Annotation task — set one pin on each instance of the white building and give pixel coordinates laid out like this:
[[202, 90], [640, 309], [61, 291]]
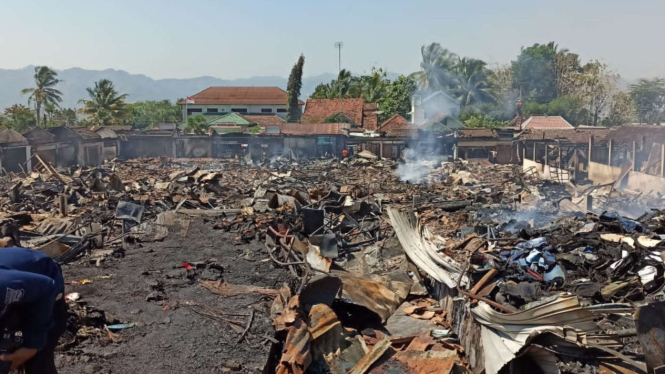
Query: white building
[[248, 100], [424, 108]]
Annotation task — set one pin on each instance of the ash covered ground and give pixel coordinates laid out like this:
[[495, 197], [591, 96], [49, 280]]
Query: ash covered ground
[[168, 335]]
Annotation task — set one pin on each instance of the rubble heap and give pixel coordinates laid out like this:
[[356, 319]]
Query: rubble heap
[[474, 267]]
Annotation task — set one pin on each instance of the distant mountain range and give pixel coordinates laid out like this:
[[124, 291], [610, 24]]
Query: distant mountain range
[[138, 86]]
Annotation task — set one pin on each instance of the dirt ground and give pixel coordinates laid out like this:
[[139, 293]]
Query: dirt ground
[[168, 336]]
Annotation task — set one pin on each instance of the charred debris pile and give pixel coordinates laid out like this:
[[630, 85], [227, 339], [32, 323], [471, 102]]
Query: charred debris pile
[[475, 267]]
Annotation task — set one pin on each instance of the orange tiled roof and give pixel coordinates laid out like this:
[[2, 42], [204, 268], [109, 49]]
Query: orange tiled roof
[[317, 110], [241, 95], [395, 122], [263, 120], [546, 122]]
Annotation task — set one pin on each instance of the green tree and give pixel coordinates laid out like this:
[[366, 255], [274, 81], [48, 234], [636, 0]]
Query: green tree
[[18, 117], [148, 114], [595, 85], [337, 88], [534, 73], [397, 98], [436, 69], [293, 89], [566, 66], [479, 120], [105, 106], [62, 117], [196, 124], [324, 91], [649, 98], [44, 92], [500, 80], [570, 108], [49, 110], [370, 88], [337, 118], [473, 83], [621, 110]]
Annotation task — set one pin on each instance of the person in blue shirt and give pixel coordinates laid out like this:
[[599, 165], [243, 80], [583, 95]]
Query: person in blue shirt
[[32, 296]]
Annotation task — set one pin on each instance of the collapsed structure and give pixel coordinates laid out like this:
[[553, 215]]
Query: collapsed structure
[[476, 267]]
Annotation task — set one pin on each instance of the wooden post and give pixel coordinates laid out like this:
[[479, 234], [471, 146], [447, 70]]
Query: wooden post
[[546, 152], [535, 147], [610, 146], [634, 155], [590, 148], [63, 204], [662, 160], [589, 203]]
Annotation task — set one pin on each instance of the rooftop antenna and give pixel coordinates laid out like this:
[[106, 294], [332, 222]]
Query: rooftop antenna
[[339, 45]]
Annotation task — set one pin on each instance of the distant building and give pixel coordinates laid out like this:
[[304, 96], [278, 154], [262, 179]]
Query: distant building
[[15, 155], [425, 107], [539, 123], [398, 126], [354, 111], [443, 122], [243, 100]]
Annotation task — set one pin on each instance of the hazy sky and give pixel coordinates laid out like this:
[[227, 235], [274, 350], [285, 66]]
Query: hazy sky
[[239, 39]]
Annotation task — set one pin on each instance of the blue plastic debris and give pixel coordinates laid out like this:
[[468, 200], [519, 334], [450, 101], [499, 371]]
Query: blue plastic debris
[[555, 273], [121, 326], [534, 256], [548, 258], [533, 243], [627, 224]]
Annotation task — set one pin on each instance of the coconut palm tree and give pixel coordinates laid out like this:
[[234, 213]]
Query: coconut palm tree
[[436, 68], [343, 84], [337, 88], [370, 87], [324, 91], [105, 106], [44, 93], [473, 82]]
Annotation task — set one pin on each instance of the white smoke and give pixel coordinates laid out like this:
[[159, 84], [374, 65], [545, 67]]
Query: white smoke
[[417, 165]]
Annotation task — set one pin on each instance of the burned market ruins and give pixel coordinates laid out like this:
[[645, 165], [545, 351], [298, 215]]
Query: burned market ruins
[[350, 246]]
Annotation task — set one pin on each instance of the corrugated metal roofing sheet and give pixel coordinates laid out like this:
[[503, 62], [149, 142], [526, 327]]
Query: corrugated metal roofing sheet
[[314, 128], [478, 133]]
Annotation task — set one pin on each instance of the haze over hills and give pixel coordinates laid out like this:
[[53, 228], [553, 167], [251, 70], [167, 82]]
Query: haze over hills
[[139, 87]]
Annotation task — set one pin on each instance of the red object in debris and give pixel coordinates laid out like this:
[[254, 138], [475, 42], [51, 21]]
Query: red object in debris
[[345, 153], [186, 265], [534, 274]]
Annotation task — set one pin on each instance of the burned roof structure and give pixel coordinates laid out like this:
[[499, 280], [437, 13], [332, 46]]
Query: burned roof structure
[[10, 137]]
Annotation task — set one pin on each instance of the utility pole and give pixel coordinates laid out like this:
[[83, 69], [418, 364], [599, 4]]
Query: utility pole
[[339, 45]]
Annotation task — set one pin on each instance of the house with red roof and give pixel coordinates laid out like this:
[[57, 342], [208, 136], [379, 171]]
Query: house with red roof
[[398, 126], [354, 111], [520, 123], [243, 100]]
